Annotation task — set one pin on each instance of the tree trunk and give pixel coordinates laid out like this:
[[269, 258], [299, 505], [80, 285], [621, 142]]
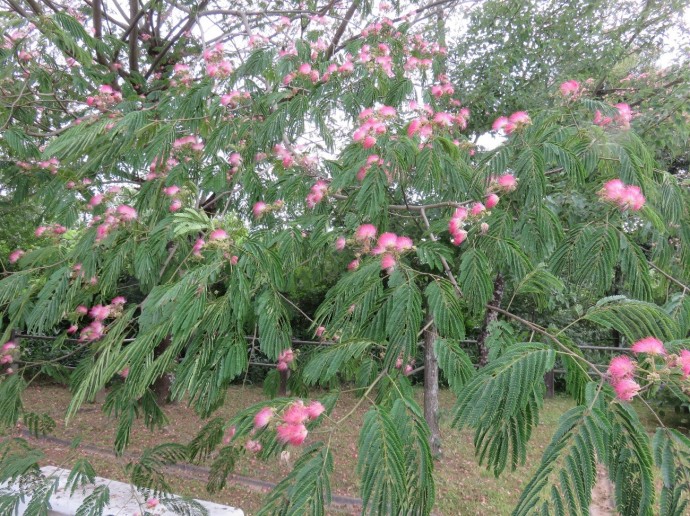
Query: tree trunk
[[431, 410], [490, 317], [162, 386], [283, 386]]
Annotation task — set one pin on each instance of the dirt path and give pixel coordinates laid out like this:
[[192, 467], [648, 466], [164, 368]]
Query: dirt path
[[602, 495]]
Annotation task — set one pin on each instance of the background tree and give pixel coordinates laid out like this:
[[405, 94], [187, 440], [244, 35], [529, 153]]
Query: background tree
[[195, 161]]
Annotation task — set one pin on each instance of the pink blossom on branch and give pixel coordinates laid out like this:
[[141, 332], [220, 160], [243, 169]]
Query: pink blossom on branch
[[263, 417], [15, 255], [218, 234], [684, 362], [365, 232], [259, 209], [626, 389], [649, 345], [621, 367], [315, 409], [569, 88], [491, 201], [126, 213], [292, 434], [507, 182]]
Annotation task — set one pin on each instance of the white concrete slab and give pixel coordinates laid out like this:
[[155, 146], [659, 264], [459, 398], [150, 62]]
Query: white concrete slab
[[125, 500]]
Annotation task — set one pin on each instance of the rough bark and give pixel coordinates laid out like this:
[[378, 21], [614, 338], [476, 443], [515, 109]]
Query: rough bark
[[431, 407], [490, 317], [162, 386]]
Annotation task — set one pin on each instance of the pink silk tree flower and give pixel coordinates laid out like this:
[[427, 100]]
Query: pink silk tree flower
[[365, 232], [293, 434], [477, 208], [387, 240], [569, 88], [296, 414], [507, 182], [403, 243], [684, 361], [262, 417], [626, 389], [218, 234], [315, 409], [15, 255], [126, 213], [259, 209], [388, 261], [340, 243], [649, 345], [171, 190], [492, 200], [621, 367]]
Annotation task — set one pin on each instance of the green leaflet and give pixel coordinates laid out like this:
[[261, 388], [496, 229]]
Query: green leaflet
[[502, 402], [634, 319], [566, 476], [307, 489]]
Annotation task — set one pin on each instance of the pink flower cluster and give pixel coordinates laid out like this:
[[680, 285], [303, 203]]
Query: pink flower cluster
[[98, 313], [291, 428], [623, 117], [16, 255], [409, 367], [427, 120], [303, 71], [347, 67], [107, 97], [158, 169], [172, 191], [285, 358], [52, 230], [234, 98], [377, 28], [379, 55], [625, 196], [506, 182], [622, 369], [51, 165], [388, 245], [261, 208], [317, 192], [509, 124], [216, 65], [444, 88], [462, 215], [373, 159], [188, 142], [98, 198], [421, 53], [112, 219], [373, 125], [8, 354], [570, 88], [181, 75]]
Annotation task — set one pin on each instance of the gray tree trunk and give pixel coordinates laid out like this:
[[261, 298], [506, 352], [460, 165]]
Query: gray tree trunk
[[490, 317], [431, 408]]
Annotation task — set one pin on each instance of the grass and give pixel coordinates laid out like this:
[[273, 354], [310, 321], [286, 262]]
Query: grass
[[463, 487]]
